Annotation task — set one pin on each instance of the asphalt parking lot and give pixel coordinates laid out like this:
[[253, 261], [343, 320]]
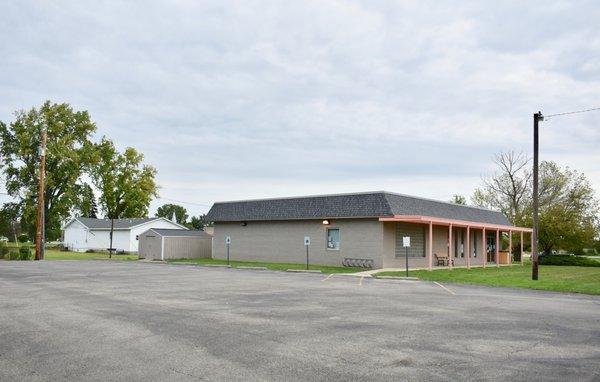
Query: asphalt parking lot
[[94, 320]]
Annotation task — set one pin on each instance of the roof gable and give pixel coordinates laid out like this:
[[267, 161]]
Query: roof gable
[[119, 224], [357, 205], [166, 232]]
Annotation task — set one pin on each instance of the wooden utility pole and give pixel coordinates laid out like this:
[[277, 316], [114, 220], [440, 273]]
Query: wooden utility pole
[[112, 230], [534, 235], [40, 229]]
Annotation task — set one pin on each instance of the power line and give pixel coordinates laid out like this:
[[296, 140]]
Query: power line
[[184, 202], [571, 112]]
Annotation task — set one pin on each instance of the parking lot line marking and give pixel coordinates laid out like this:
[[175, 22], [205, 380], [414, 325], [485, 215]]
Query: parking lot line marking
[[443, 287], [326, 278], [361, 279]]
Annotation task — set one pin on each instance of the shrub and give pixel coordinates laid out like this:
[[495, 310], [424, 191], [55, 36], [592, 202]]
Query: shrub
[[568, 260], [13, 255], [23, 238], [3, 250], [90, 251], [25, 253]]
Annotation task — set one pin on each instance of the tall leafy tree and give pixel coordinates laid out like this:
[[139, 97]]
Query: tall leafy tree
[[67, 156], [568, 210], [167, 210], [126, 184], [568, 215], [85, 204], [9, 215]]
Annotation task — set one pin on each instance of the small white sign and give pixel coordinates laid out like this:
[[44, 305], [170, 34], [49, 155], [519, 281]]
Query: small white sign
[[307, 240], [228, 240], [406, 241]]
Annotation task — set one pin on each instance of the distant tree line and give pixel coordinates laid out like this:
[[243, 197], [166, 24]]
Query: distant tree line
[[181, 216], [84, 176]]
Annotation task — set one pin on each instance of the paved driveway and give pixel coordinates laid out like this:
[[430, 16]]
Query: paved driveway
[[133, 321]]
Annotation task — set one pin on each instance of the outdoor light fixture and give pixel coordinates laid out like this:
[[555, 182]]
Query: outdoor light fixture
[[325, 222]]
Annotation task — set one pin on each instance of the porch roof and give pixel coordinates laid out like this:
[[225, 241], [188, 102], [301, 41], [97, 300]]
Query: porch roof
[[420, 219]]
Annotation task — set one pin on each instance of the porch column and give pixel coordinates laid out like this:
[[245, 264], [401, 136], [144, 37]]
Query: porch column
[[497, 247], [468, 248], [521, 247], [484, 241], [509, 247], [450, 246], [430, 247]]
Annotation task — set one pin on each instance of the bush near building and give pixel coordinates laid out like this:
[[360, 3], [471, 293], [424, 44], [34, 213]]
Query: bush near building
[[25, 253], [568, 260]]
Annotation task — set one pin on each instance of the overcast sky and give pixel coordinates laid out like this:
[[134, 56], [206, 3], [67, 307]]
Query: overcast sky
[[248, 99]]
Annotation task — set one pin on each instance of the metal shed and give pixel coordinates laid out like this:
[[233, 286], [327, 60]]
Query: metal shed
[[165, 244]]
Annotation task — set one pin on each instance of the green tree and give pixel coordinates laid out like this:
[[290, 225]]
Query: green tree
[[568, 209], [199, 222], [85, 204], [67, 156], [9, 214], [459, 199], [126, 185], [508, 190], [167, 210], [568, 214]]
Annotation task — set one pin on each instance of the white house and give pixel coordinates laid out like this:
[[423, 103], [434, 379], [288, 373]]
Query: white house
[[82, 234]]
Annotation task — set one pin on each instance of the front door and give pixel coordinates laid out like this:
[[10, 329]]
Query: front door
[[491, 247]]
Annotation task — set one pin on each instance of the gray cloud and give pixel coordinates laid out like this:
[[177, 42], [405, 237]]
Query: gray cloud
[[252, 99]]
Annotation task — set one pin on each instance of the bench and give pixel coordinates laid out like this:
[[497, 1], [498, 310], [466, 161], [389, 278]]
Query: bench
[[442, 259]]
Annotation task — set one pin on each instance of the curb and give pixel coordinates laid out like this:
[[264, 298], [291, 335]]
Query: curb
[[215, 265], [252, 268], [397, 278], [303, 270]]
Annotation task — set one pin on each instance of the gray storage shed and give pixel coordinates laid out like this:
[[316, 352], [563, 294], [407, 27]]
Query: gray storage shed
[[165, 244]]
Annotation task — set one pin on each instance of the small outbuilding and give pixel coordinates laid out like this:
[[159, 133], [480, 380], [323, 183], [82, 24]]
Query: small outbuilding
[[164, 244], [83, 234]]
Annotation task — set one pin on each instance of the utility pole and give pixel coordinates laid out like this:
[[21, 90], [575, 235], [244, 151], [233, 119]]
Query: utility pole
[[40, 229], [534, 235], [112, 229]]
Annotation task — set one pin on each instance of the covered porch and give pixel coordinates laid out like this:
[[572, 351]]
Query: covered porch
[[438, 242]]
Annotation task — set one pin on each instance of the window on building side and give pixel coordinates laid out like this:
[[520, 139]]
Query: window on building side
[[333, 238]]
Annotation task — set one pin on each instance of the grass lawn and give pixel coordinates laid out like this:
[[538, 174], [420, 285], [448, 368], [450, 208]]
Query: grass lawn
[[55, 254], [52, 254], [552, 278], [272, 266]]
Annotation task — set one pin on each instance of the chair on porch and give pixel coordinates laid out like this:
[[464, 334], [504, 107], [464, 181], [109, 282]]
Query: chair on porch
[[442, 259]]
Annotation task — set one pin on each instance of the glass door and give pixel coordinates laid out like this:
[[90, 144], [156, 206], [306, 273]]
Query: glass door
[[491, 247]]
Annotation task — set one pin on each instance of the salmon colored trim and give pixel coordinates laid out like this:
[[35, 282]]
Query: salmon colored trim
[[456, 223], [497, 247], [485, 252], [468, 247], [510, 247]]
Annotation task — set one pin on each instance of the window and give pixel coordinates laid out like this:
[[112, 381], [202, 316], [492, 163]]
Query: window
[[333, 238], [474, 245]]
